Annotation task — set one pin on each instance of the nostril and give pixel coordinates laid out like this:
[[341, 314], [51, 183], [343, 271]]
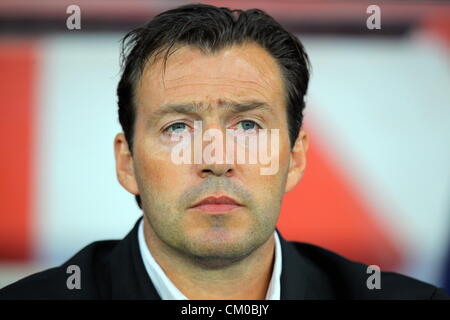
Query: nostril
[[206, 173]]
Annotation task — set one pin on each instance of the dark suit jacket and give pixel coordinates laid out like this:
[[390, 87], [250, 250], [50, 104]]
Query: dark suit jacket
[[114, 270]]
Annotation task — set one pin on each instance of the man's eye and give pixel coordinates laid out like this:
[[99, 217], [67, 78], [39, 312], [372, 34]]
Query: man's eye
[[177, 127], [249, 125]]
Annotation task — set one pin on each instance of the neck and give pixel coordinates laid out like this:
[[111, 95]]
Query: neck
[[197, 282]]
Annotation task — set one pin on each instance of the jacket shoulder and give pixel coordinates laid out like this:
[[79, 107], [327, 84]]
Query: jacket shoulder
[[89, 264], [349, 279]]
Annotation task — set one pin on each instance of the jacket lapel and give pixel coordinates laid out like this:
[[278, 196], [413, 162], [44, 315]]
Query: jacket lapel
[[293, 278], [300, 278], [129, 279]]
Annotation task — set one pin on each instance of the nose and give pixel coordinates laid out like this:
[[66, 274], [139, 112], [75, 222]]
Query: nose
[[218, 170], [220, 165]]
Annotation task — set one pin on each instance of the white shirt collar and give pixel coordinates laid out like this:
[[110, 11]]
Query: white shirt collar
[[168, 291]]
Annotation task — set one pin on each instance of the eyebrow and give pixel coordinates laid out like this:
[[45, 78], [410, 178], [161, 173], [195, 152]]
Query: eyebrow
[[196, 108]]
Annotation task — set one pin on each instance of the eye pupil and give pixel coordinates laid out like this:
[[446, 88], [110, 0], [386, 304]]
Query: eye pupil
[[248, 125], [178, 125]]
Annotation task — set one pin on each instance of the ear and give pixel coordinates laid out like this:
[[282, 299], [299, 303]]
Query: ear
[[124, 164], [297, 162]]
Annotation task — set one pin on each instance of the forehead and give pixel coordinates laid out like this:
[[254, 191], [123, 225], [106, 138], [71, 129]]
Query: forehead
[[243, 72]]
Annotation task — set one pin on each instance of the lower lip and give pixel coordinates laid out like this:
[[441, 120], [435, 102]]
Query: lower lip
[[215, 208]]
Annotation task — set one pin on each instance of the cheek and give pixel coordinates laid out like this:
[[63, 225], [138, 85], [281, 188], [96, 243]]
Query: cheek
[[155, 171], [274, 154], [268, 188]]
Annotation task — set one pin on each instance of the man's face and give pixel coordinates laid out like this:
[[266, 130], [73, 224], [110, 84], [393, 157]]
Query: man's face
[[168, 190]]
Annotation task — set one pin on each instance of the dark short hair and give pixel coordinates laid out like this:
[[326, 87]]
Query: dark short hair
[[211, 29]]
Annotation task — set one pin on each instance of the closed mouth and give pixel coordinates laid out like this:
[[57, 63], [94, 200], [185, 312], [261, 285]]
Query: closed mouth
[[217, 204]]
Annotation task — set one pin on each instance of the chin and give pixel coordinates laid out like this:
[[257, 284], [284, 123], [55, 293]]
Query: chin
[[218, 236], [220, 244], [220, 256]]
